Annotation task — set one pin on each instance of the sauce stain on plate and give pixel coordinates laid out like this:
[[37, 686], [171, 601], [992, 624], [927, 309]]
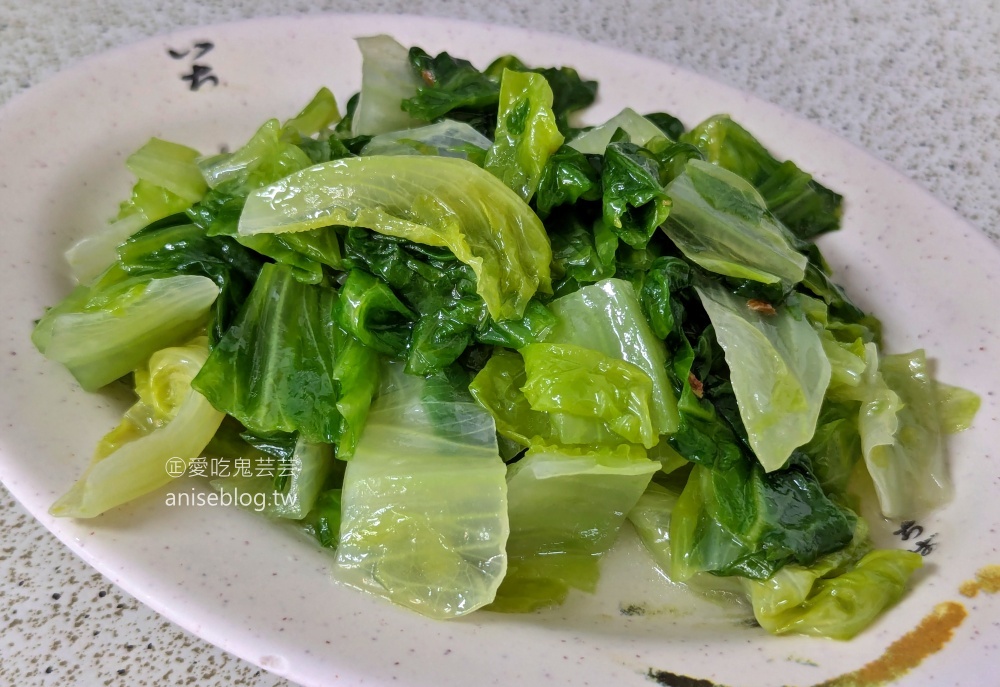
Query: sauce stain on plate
[[987, 580], [906, 653]]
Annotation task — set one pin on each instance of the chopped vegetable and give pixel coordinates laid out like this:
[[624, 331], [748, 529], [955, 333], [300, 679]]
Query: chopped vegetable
[[470, 339]]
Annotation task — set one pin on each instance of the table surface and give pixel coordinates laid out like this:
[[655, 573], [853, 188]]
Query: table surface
[[916, 83]]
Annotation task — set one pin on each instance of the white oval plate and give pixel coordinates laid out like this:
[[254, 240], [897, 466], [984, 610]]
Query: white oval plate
[[255, 590]]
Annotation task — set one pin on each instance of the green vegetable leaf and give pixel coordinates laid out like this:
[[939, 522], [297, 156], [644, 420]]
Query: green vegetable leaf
[[305, 252], [170, 166], [273, 370], [425, 501], [497, 388], [104, 331], [570, 93], [169, 422], [639, 129], [265, 158], [902, 434], [804, 205], [660, 295], [357, 371], [447, 138], [634, 201], [169, 181], [443, 202], [526, 133], [815, 601], [386, 81], [323, 521], [957, 407], [566, 508], [305, 473], [568, 176], [583, 253], [835, 448], [651, 517], [565, 378], [442, 291], [186, 249], [779, 368], [316, 117], [368, 309], [743, 521], [721, 223], [452, 86], [608, 318]]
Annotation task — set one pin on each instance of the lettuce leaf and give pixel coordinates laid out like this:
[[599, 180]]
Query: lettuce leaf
[[743, 521], [452, 86], [720, 222], [578, 381], [957, 407], [386, 81], [170, 422], [651, 519], [294, 496], [316, 117], [804, 205], [902, 434], [444, 202], [780, 370], [357, 371], [105, 331], [568, 176], [582, 253], [441, 290], [566, 508], [273, 369], [371, 312], [306, 253], [322, 523], [640, 131], [446, 138], [608, 318], [828, 601], [171, 166], [635, 204], [266, 157], [168, 182], [424, 521], [186, 249], [497, 388], [526, 133]]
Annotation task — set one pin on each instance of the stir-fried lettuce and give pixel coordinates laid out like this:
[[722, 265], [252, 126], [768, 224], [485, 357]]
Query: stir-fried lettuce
[[565, 508], [779, 369], [459, 339], [424, 514], [526, 132], [169, 425], [720, 222], [103, 332], [435, 201]]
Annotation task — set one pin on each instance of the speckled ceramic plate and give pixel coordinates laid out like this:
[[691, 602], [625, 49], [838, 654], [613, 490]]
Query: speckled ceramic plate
[[259, 592]]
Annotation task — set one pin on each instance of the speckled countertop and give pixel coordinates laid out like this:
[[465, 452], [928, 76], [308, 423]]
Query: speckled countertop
[[915, 83]]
